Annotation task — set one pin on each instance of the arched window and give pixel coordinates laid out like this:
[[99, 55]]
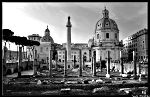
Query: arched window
[[107, 35], [97, 36]]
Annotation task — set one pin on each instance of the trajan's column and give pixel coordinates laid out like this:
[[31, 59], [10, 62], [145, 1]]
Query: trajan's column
[[68, 48]]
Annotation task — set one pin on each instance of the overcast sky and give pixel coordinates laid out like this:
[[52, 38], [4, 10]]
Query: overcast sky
[[32, 18]]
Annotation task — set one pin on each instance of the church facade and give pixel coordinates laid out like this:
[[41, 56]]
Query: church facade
[[106, 38]]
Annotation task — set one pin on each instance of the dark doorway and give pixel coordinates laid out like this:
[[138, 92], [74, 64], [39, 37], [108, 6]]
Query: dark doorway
[[9, 71], [15, 70], [68, 66], [103, 63]]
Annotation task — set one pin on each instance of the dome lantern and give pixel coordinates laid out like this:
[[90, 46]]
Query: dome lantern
[[105, 13], [47, 32]]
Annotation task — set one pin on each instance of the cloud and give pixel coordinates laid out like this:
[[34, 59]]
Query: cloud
[[128, 16]]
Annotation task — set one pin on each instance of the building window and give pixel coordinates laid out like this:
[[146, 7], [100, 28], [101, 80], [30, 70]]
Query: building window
[[107, 24], [107, 35], [59, 60], [115, 35], [68, 66], [97, 36], [142, 57], [63, 56], [47, 49], [59, 52], [84, 53]]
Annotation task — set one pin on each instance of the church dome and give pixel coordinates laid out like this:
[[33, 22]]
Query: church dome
[[47, 37], [106, 22]]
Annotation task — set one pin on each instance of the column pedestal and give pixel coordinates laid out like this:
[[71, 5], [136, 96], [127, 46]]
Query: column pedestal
[[140, 77], [69, 64], [108, 66], [107, 75]]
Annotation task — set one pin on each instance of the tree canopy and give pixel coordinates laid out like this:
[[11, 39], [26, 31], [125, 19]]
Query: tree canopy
[[8, 36], [6, 33]]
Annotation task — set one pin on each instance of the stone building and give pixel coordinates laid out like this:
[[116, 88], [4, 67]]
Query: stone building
[[75, 48], [42, 51], [137, 42]]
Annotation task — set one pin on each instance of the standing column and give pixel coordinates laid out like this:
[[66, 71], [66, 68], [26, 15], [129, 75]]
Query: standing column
[[74, 61], [94, 63], [34, 61], [139, 72], [65, 64], [69, 62], [80, 64], [139, 68], [83, 65], [26, 52], [50, 63], [121, 61], [108, 65], [100, 64], [134, 62], [20, 61], [17, 54], [4, 58]]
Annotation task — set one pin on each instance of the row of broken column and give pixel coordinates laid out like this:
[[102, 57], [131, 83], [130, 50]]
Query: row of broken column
[[93, 64]]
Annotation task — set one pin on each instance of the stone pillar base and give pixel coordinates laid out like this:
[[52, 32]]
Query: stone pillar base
[[107, 75], [65, 76], [123, 75], [69, 64], [140, 77]]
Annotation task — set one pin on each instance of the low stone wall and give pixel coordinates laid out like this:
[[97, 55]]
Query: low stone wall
[[13, 67]]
